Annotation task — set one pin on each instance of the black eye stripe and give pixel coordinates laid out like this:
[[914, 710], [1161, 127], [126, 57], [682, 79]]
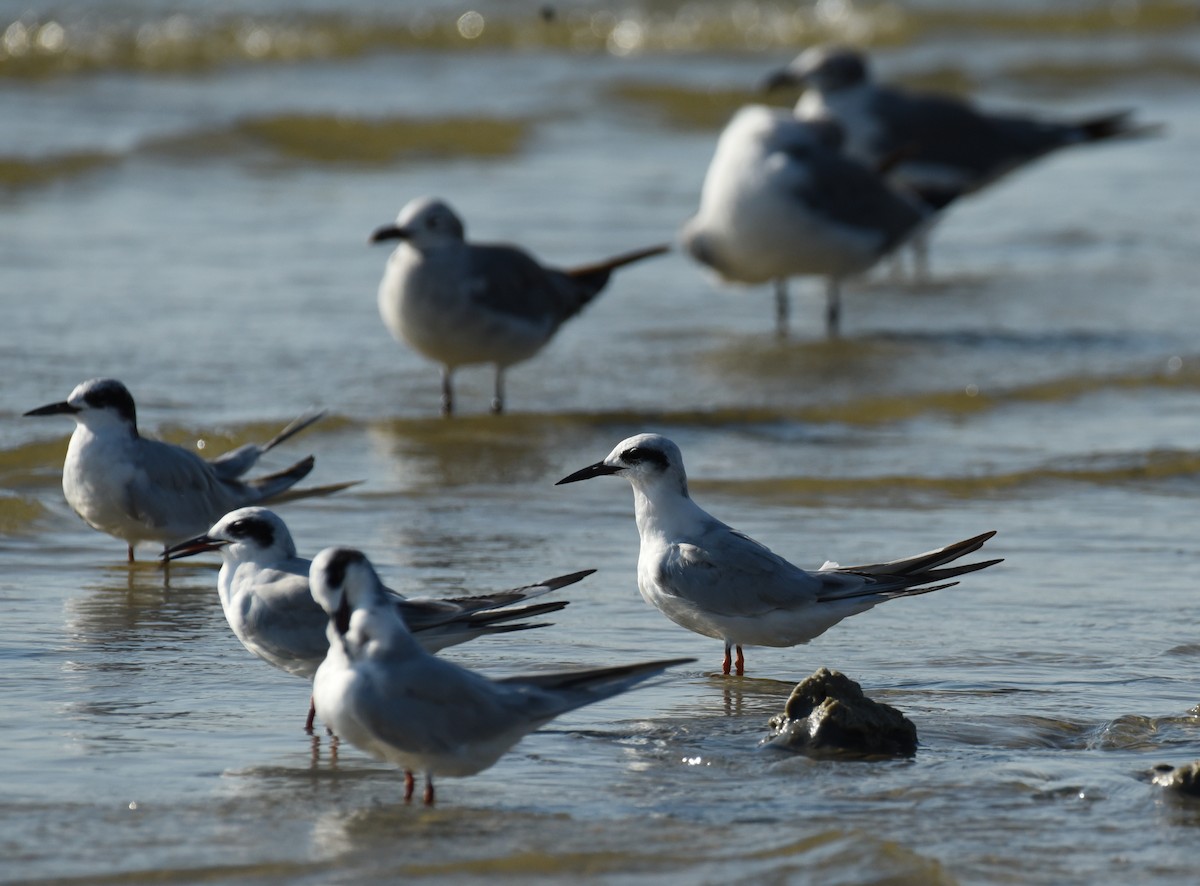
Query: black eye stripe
[[640, 454], [259, 530], [111, 394]]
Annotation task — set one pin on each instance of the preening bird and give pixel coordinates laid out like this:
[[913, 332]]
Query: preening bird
[[264, 591], [380, 691]]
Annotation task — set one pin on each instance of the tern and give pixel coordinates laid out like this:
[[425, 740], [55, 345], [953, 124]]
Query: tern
[[264, 591], [459, 303], [137, 489], [381, 691], [781, 199], [716, 581]]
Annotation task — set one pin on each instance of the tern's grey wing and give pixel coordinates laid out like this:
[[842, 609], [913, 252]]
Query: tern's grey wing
[[281, 622], [235, 463], [728, 573], [510, 281], [429, 705], [849, 193], [176, 491]]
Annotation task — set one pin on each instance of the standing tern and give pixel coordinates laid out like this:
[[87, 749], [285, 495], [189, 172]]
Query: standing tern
[[382, 692], [781, 199], [716, 581], [137, 489], [264, 590], [936, 140], [461, 303]]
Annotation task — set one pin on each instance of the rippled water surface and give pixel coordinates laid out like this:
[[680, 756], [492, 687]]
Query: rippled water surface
[[186, 191]]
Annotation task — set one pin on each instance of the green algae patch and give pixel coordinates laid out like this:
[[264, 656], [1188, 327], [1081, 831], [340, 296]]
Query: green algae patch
[[321, 139], [17, 515], [17, 173], [327, 139], [685, 107]]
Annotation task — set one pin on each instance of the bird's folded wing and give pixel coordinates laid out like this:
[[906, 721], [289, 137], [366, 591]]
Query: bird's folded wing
[[173, 485], [426, 706], [733, 575], [508, 280], [282, 623], [848, 193]]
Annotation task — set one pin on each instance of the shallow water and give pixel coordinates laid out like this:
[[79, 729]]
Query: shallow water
[[186, 200]]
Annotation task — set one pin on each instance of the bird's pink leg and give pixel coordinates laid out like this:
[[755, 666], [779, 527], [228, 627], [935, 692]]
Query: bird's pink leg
[[409, 785], [725, 665], [740, 663]]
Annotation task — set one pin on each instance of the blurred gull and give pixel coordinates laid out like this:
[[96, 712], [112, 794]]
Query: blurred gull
[[715, 581], [461, 303], [379, 690], [931, 140], [137, 489], [264, 591], [781, 199]]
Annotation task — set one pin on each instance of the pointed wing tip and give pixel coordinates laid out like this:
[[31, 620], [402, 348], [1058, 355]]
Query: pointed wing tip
[[561, 581]]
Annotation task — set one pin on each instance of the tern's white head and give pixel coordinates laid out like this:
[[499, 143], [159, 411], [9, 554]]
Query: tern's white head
[[247, 535], [99, 404], [648, 461], [253, 535], [424, 223]]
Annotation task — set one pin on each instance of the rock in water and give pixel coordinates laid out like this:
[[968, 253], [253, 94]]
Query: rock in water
[[1182, 779], [827, 714]]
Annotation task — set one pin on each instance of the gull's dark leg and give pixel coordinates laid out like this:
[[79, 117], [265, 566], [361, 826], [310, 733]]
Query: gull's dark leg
[[782, 308], [833, 307], [498, 399], [447, 391], [129, 551]]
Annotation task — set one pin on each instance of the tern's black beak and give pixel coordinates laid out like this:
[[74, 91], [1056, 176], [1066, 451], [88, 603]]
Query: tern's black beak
[[599, 469], [198, 545], [341, 618], [389, 232], [63, 408]]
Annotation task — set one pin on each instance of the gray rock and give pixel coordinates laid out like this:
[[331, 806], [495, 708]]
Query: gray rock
[[1183, 779], [828, 715]]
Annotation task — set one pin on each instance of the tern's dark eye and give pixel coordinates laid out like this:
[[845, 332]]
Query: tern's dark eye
[[637, 455], [258, 530], [109, 393]]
